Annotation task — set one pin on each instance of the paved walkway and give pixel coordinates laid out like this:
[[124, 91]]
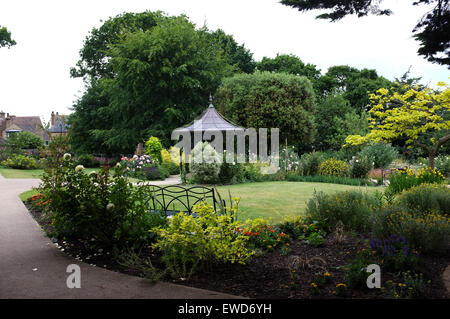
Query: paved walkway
[[32, 267], [171, 180]]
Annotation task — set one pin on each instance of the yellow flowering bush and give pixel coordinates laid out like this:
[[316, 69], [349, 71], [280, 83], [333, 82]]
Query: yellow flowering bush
[[405, 179], [427, 232], [333, 167], [427, 198], [203, 240]]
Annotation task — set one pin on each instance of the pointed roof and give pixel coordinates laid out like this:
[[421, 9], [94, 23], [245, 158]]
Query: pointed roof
[[210, 120]]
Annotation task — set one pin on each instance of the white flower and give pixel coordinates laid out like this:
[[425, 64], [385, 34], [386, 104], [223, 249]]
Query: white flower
[[110, 206], [67, 156], [79, 168], [93, 174], [118, 165]]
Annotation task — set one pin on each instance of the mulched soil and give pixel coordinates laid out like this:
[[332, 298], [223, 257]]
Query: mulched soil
[[270, 275]]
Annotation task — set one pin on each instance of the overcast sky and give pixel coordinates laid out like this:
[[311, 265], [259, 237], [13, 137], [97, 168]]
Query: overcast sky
[[34, 74]]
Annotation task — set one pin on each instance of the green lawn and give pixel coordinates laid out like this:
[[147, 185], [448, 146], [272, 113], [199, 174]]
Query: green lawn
[[271, 200], [275, 200], [29, 173], [21, 173]]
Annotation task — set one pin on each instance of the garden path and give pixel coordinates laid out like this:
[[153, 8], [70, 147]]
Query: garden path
[[31, 266]]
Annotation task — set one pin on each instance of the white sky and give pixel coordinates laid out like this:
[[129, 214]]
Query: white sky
[[34, 74]]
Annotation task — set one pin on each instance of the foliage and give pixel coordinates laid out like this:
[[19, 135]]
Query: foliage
[[20, 161], [231, 173], [288, 63], [205, 240], [352, 83], [352, 208], [292, 177], [332, 116], [381, 154], [102, 210], [412, 286], [266, 100], [87, 160], [95, 55], [53, 154], [146, 82], [167, 161], [143, 167], [404, 179], [263, 236], [240, 58], [425, 231], [289, 159], [395, 253], [309, 164], [426, 198], [24, 140], [204, 164], [5, 38], [431, 31], [412, 113], [153, 147], [360, 167], [333, 167], [355, 272], [442, 164]]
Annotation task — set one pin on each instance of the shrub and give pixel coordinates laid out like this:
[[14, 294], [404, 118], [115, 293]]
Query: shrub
[[168, 163], [292, 177], [395, 253], [87, 160], [405, 179], [102, 209], [143, 167], [309, 163], [427, 232], [262, 235], [24, 140], [442, 164], [153, 147], [426, 198], [381, 154], [20, 161], [209, 238], [289, 161], [413, 286], [332, 167], [204, 164], [355, 272], [360, 167], [352, 208]]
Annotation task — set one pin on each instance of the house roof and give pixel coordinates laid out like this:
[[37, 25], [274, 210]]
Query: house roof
[[59, 125], [32, 124], [210, 120]]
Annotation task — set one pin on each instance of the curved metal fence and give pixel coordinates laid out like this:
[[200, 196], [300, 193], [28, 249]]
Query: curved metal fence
[[173, 199]]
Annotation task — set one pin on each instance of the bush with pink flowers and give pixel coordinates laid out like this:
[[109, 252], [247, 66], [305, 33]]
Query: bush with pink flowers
[[144, 167]]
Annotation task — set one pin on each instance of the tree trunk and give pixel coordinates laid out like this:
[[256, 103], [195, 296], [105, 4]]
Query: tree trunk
[[431, 157]]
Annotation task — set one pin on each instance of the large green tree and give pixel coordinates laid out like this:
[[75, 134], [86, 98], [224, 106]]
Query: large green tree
[[432, 30], [270, 100], [289, 63], [335, 120], [95, 55], [156, 80], [354, 84], [5, 38]]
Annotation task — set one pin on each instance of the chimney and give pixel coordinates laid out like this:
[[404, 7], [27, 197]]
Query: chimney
[[52, 118], [2, 115]]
